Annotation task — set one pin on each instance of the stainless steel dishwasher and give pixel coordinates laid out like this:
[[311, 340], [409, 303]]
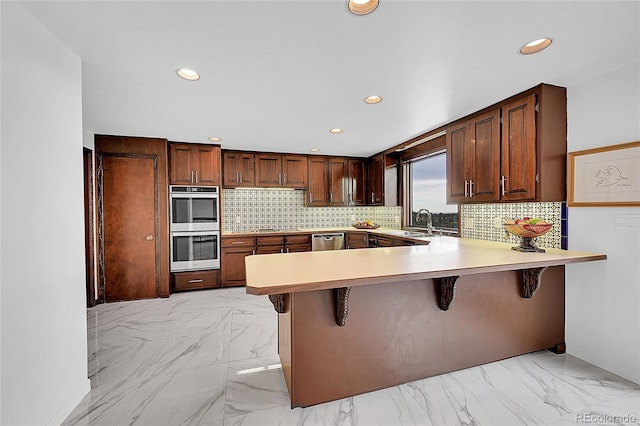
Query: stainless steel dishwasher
[[333, 241]]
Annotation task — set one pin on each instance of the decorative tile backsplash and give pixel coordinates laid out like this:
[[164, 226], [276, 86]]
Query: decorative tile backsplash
[[484, 221], [255, 208]]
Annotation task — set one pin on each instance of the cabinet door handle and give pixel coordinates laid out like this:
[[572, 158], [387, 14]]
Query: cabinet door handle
[[237, 242], [331, 197], [502, 179], [192, 181], [470, 187], [372, 197], [240, 179], [196, 176], [287, 249], [282, 250], [253, 252], [149, 238], [466, 188], [195, 281]]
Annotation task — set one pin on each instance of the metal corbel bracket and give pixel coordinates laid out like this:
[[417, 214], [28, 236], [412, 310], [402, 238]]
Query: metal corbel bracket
[[278, 301], [342, 305], [531, 281], [446, 291]]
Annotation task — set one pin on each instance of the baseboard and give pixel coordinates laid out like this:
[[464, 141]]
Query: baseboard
[[71, 404]]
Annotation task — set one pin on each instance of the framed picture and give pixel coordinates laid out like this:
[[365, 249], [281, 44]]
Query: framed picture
[[607, 176]]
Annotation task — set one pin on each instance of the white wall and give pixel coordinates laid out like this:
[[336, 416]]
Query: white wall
[[43, 315], [603, 298]]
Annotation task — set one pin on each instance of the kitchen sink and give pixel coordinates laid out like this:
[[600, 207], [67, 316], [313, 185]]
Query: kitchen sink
[[413, 234]]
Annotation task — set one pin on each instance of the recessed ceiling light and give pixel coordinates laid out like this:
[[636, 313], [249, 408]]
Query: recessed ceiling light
[[362, 7], [188, 74], [535, 46], [372, 99], [335, 131], [314, 149], [214, 139]]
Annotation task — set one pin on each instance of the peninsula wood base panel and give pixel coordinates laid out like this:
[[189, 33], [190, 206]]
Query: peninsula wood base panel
[[396, 333]]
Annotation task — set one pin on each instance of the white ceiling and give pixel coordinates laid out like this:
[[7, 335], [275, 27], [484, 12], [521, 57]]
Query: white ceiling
[[277, 75]]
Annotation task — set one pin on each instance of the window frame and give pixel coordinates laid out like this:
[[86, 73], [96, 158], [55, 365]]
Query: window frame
[[430, 151]]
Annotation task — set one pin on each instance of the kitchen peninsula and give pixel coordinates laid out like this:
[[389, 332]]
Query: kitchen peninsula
[[354, 321]]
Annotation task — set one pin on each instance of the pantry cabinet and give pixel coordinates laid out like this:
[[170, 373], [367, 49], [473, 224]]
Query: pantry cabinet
[[275, 170], [238, 169], [194, 164], [513, 151]]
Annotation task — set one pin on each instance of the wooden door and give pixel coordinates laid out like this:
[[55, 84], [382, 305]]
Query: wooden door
[[519, 149], [485, 140], [458, 163], [338, 177], [268, 170], [118, 190], [89, 241], [318, 181], [357, 183], [294, 171], [182, 166], [206, 164], [130, 231]]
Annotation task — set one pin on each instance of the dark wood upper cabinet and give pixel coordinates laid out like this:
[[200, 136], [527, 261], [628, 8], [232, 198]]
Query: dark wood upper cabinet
[[484, 182], [336, 181], [513, 151], [518, 180], [318, 192], [294, 171], [357, 182], [194, 164], [338, 177], [473, 159], [375, 180], [275, 170], [458, 162], [268, 170], [238, 169]]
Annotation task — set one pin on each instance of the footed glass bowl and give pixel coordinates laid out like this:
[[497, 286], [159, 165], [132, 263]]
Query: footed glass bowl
[[527, 233]]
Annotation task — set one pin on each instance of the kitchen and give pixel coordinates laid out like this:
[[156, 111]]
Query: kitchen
[[602, 110]]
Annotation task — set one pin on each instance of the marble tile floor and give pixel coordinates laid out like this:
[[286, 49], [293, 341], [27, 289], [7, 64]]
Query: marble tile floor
[[210, 358]]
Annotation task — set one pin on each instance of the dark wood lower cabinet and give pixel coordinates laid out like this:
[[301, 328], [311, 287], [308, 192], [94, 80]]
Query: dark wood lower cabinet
[[195, 280], [356, 240]]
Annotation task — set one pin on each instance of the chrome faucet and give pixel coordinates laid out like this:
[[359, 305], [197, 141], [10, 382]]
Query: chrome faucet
[[429, 222]]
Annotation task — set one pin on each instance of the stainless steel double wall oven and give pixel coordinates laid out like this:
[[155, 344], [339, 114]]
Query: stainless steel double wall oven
[[194, 212]]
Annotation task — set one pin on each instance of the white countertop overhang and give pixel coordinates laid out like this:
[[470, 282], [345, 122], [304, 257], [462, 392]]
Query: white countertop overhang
[[442, 257]]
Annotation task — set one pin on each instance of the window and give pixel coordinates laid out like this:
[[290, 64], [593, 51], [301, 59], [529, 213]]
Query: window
[[427, 189]]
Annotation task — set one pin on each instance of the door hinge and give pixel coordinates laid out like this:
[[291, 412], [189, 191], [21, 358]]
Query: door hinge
[[537, 177], [537, 107]]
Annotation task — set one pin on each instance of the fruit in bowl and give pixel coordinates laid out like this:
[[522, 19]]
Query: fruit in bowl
[[365, 224], [527, 228]]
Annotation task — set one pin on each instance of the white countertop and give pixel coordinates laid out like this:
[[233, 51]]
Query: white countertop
[[444, 256]]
